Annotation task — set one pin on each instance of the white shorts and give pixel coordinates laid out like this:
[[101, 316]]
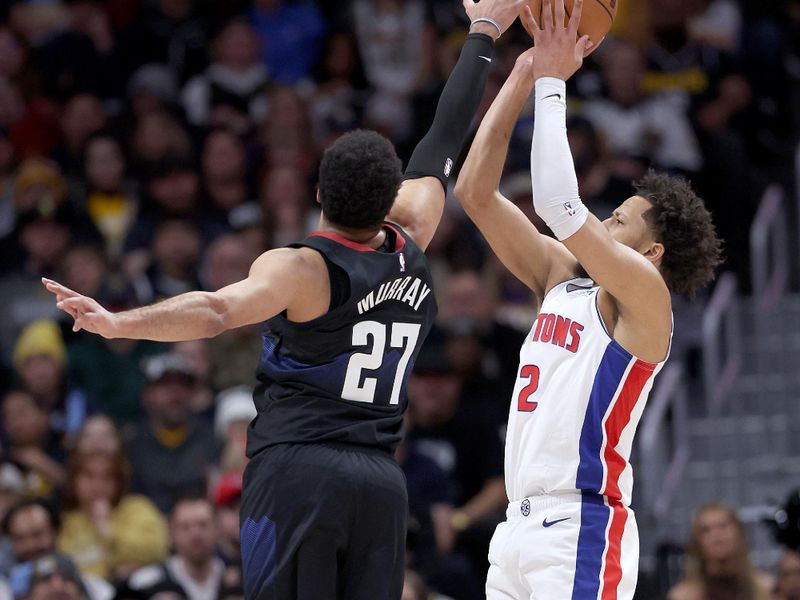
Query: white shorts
[[565, 547]]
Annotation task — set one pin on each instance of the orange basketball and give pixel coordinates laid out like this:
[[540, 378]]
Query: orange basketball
[[596, 19]]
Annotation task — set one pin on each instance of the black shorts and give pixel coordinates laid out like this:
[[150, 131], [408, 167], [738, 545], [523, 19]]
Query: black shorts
[[323, 521]]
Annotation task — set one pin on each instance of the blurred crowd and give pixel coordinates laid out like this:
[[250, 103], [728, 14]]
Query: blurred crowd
[[153, 147]]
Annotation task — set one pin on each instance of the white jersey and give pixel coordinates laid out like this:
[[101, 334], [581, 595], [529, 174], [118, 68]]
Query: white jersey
[[576, 404]]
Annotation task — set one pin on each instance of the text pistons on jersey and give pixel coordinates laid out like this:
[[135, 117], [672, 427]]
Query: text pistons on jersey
[[558, 330], [415, 293]]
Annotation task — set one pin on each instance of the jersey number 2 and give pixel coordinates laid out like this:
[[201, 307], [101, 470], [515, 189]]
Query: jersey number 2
[[531, 373], [403, 335]]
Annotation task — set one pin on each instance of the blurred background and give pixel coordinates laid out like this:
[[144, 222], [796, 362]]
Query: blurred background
[[152, 147]]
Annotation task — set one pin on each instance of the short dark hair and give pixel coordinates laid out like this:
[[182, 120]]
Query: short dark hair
[[680, 221], [358, 179], [25, 504]]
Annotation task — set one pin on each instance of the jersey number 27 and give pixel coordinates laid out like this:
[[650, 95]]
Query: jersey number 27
[[374, 335]]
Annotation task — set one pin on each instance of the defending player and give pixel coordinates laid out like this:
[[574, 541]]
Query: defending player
[[589, 361], [346, 311]]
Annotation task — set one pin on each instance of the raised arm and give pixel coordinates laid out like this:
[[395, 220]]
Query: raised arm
[[276, 279], [633, 281], [420, 201], [529, 255]]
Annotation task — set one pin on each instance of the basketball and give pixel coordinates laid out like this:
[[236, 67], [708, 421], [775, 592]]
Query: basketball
[[596, 19]]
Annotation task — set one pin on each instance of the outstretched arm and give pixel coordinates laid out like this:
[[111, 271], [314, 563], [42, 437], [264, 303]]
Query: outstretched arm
[[270, 287], [529, 255], [633, 282], [420, 201]]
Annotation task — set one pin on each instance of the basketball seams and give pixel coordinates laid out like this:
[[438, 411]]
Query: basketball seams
[[605, 8]]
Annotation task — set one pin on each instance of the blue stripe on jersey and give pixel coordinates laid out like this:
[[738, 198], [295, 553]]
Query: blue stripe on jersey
[[591, 545], [606, 382]]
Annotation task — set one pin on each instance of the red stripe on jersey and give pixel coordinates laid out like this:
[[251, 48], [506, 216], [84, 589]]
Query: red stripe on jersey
[[613, 567], [616, 422]]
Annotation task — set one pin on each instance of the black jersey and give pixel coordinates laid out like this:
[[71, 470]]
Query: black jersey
[[342, 376]]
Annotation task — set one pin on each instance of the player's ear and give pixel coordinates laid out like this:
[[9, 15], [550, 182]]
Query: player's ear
[[655, 253]]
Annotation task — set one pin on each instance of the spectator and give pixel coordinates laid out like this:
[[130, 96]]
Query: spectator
[[396, 44], [338, 101], [33, 525], [718, 565], [197, 354], [12, 485], [83, 116], [235, 411], [787, 585], [106, 531], [152, 88], [171, 452], [228, 499], [40, 361], [193, 565], [232, 92], [227, 261], [287, 209], [55, 576], [108, 197], [80, 58], [166, 32], [176, 248], [468, 310], [32, 447], [158, 136], [291, 37], [286, 133], [454, 435], [98, 437], [224, 171], [652, 129], [110, 370]]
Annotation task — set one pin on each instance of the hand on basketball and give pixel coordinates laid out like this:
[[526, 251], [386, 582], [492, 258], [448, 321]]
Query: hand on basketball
[[502, 11], [87, 312], [556, 53]]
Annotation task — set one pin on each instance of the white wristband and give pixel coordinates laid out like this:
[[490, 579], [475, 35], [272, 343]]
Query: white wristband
[[488, 20]]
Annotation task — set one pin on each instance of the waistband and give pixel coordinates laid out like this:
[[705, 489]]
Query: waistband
[[520, 509]]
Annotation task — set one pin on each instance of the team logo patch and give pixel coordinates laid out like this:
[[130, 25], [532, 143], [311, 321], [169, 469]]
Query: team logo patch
[[448, 166], [525, 507]]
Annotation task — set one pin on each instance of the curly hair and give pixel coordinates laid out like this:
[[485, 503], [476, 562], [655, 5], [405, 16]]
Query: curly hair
[[358, 179], [680, 221]]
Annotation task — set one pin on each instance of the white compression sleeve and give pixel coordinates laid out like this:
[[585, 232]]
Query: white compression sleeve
[[555, 185]]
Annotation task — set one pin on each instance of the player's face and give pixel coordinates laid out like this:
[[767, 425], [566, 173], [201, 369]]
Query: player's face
[[627, 224]]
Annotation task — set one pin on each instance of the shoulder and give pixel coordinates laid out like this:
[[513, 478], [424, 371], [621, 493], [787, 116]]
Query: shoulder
[[147, 577], [136, 503]]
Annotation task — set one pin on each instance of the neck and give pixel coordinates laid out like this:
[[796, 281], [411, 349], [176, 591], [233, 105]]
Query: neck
[[372, 237], [199, 570], [721, 568]]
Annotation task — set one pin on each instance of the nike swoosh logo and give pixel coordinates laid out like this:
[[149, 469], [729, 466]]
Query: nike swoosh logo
[[551, 96], [546, 523], [486, 58]]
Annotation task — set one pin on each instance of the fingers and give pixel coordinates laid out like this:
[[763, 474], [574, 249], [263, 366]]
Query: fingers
[[547, 16], [58, 289], [560, 14], [529, 22], [575, 17]]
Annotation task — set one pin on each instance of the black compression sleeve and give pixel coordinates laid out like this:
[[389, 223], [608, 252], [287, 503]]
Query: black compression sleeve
[[436, 153]]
